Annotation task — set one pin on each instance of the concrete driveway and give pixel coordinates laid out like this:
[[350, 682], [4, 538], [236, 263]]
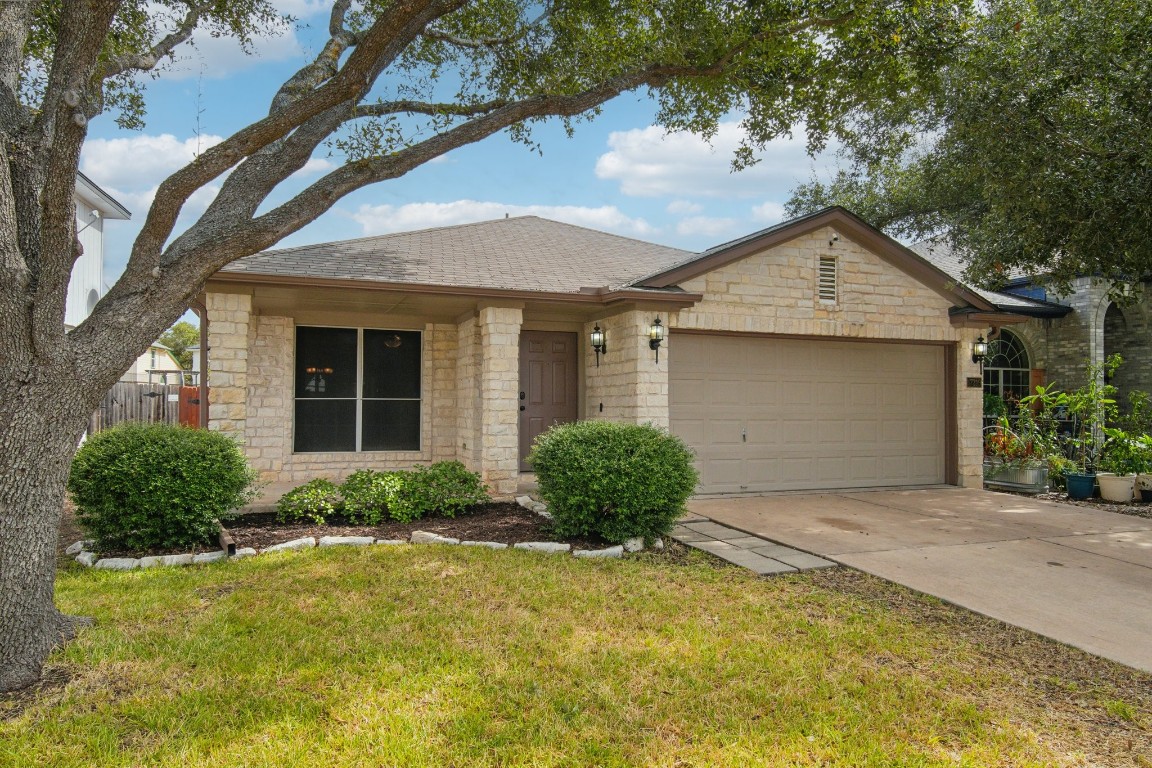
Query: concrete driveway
[[1077, 575]]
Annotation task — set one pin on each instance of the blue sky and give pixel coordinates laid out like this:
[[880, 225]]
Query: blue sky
[[619, 173]]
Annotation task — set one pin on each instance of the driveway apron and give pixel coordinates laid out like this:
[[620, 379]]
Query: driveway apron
[[1077, 575]]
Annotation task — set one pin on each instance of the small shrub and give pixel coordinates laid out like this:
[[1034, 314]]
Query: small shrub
[[616, 481], [316, 500], [369, 494], [145, 486], [446, 488]]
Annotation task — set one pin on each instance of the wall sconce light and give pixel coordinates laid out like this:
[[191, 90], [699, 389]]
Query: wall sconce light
[[598, 343], [656, 337], [979, 350]]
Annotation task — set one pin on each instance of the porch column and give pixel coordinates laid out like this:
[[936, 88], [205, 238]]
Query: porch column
[[499, 404], [969, 414], [231, 314], [630, 384]]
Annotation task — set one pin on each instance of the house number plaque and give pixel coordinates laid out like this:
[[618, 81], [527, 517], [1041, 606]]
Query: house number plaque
[[975, 382]]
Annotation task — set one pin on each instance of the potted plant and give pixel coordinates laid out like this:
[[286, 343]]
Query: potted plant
[[1012, 460], [1087, 410], [1120, 460]]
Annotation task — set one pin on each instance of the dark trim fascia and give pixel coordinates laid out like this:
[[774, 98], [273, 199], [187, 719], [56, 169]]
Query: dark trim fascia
[[595, 297], [853, 226], [1047, 309]]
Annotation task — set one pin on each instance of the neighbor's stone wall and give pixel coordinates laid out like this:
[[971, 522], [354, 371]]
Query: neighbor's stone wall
[[632, 386], [229, 340]]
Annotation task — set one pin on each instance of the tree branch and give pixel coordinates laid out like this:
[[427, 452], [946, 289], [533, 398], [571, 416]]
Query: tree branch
[[143, 62], [385, 108]]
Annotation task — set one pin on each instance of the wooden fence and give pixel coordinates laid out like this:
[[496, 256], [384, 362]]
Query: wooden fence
[[150, 403]]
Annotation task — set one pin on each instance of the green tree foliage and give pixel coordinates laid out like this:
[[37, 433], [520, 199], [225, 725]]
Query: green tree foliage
[[1032, 152], [178, 338], [395, 85]]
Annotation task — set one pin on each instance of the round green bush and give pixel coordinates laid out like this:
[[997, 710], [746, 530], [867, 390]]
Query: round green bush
[[314, 501], [615, 481], [145, 486]]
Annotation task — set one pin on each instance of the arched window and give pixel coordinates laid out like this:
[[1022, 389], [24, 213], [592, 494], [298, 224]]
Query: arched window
[[1007, 370]]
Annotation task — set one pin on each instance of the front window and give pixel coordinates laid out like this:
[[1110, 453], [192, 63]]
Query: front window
[[357, 389], [1007, 371]]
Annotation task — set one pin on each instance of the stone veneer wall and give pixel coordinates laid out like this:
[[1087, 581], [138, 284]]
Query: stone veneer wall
[[468, 438], [251, 375], [229, 315], [629, 382], [498, 384], [775, 293]]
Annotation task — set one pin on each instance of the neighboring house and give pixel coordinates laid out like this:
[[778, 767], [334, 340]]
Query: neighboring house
[[1060, 334], [156, 366], [94, 206], [815, 354]]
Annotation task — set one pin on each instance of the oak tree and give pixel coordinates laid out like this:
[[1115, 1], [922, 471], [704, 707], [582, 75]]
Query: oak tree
[[396, 84]]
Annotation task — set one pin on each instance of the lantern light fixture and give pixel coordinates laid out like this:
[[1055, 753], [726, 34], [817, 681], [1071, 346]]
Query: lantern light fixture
[[979, 350], [598, 343], [656, 337]]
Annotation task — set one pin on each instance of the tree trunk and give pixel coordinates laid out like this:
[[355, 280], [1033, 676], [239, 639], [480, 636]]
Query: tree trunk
[[40, 424]]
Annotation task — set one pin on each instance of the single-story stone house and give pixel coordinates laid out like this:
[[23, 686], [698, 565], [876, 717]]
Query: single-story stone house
[[815, 354], [1059, 334]]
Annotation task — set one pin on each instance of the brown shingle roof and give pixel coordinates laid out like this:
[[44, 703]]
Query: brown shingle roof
[[525, 253]]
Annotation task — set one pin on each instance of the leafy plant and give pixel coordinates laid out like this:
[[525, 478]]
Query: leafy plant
[[145, 486], [1125, 453], [446, 488], [1087, 409], [994, 405], [613, 480], [315, 500], [368, 494]]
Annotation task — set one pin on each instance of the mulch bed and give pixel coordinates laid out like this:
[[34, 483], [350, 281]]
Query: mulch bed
[[505, 522]]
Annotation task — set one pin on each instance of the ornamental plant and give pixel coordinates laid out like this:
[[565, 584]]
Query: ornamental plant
[[147, 486], [315, 501], [614, 481]]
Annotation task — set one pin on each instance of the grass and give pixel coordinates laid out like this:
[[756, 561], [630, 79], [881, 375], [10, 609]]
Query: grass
[[438, 656]]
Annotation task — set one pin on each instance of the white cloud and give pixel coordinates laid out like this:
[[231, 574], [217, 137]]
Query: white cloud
[[140, 161], [769, 212], [314, 165], [382, 219], [707, 225], [648, 162], [683, 208]]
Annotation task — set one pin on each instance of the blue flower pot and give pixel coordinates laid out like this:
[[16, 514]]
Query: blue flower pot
[[1080, 486]]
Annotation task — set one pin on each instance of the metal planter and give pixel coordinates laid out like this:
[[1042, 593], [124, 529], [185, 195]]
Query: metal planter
[[1025, 479]]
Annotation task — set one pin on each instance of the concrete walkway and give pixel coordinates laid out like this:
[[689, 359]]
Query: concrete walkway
[[1074, 574], [737, 547]]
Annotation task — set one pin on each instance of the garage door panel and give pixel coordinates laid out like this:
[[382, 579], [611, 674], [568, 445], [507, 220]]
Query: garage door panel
[[817, 414]]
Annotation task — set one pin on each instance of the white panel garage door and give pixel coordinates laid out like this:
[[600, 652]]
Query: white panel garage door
[[768, 414]]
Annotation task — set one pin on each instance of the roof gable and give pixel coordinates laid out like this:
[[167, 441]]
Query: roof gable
[[844, 221]]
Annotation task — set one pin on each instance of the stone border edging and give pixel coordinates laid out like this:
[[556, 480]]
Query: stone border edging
[[89, 559]]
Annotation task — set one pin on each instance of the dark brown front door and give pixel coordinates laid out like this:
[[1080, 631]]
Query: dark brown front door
[[547, 384]]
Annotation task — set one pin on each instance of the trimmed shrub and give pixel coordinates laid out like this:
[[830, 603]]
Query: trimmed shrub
[[145, 486], [615, 481], [316, 501], [368, 494], [446, 488]]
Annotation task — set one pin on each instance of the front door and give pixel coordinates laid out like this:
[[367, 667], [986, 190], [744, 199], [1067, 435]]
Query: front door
[[547, 384]]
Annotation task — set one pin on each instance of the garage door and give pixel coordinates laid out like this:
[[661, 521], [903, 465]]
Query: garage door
[[769, 414]]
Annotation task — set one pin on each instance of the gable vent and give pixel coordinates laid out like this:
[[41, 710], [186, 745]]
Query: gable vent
[[826, 280]]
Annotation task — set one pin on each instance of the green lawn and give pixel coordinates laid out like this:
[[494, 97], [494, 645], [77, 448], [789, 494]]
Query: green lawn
[[448, 656]]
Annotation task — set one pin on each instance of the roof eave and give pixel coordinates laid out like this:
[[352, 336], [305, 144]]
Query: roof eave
[[601, 296]]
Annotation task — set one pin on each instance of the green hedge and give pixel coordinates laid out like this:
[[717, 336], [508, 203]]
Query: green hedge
[[615, 481], [366, 497], [144, 486]]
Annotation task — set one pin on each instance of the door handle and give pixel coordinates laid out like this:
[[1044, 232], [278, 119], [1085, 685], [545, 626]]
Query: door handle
[[744, 434], [523, 407]]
